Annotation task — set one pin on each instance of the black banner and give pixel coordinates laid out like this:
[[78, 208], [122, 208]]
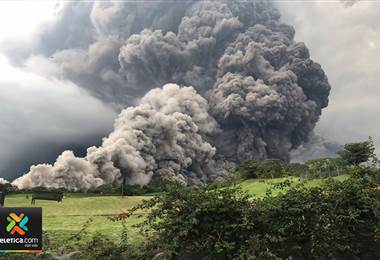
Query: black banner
[[20, 229]]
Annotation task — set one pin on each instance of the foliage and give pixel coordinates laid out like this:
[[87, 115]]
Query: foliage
[[7, 188], [101, 247], [295, 169], [357, 153], [103, 189], [199, 222], [326, 167], [338, 220], [261, 169], [316, 168]]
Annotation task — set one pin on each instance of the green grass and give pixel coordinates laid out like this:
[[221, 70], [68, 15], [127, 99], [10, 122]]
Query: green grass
[[258, 187], [63, 219]]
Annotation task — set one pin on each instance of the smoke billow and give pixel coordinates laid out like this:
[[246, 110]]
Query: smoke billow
[[316, 147], [3, 181], [162, 135], [255, 93]]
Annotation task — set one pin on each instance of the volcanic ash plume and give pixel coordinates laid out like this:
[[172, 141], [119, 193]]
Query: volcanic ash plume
[[316, 147], [264, 92], [163, 135], [3, 181]]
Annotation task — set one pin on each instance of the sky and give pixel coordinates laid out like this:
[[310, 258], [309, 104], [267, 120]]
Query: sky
[[40, 117]]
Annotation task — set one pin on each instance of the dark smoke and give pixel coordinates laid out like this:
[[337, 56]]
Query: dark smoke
[[258, 85]]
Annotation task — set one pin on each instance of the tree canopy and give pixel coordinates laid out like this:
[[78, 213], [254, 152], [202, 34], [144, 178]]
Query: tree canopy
[[357, 153]]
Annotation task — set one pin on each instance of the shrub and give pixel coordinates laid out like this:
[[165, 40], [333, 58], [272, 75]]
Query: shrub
[[338, 220], [193, 223]]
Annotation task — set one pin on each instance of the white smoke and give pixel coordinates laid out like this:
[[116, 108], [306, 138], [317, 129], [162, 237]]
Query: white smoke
[[67, 172], [3, 181]]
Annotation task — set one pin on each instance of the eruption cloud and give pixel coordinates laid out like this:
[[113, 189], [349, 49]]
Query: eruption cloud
[[253, 92], [162, 135]]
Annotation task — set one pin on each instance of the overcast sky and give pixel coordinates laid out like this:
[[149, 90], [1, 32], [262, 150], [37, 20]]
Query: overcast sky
[[40, 117]]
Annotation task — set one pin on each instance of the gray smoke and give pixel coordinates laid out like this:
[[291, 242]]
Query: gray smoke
[[316, 147], [162, 135], [263, 90]]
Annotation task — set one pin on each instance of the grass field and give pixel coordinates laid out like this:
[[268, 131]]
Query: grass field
[[258, 188], [62, 220]]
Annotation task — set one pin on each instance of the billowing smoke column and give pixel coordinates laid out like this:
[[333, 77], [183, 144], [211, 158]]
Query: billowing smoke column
[[163, 135], [255, 92]]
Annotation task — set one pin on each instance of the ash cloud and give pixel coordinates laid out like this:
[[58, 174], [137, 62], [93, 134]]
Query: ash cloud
[[348, 46], [255, 93], [163, 135], [316, 147]]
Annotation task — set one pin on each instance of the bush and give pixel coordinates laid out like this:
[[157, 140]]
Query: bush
[[192, 223], [338, 220]]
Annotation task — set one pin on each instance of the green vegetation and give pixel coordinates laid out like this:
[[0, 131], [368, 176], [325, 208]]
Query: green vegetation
[[327, 208], [261, 169], [259, 187], [357, 153], [61, 219], [312, 169], [335, 220]]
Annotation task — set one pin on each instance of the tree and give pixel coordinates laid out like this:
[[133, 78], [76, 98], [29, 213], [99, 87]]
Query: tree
[[270, 168], [357, 153], [295, 169], [324, 167]]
